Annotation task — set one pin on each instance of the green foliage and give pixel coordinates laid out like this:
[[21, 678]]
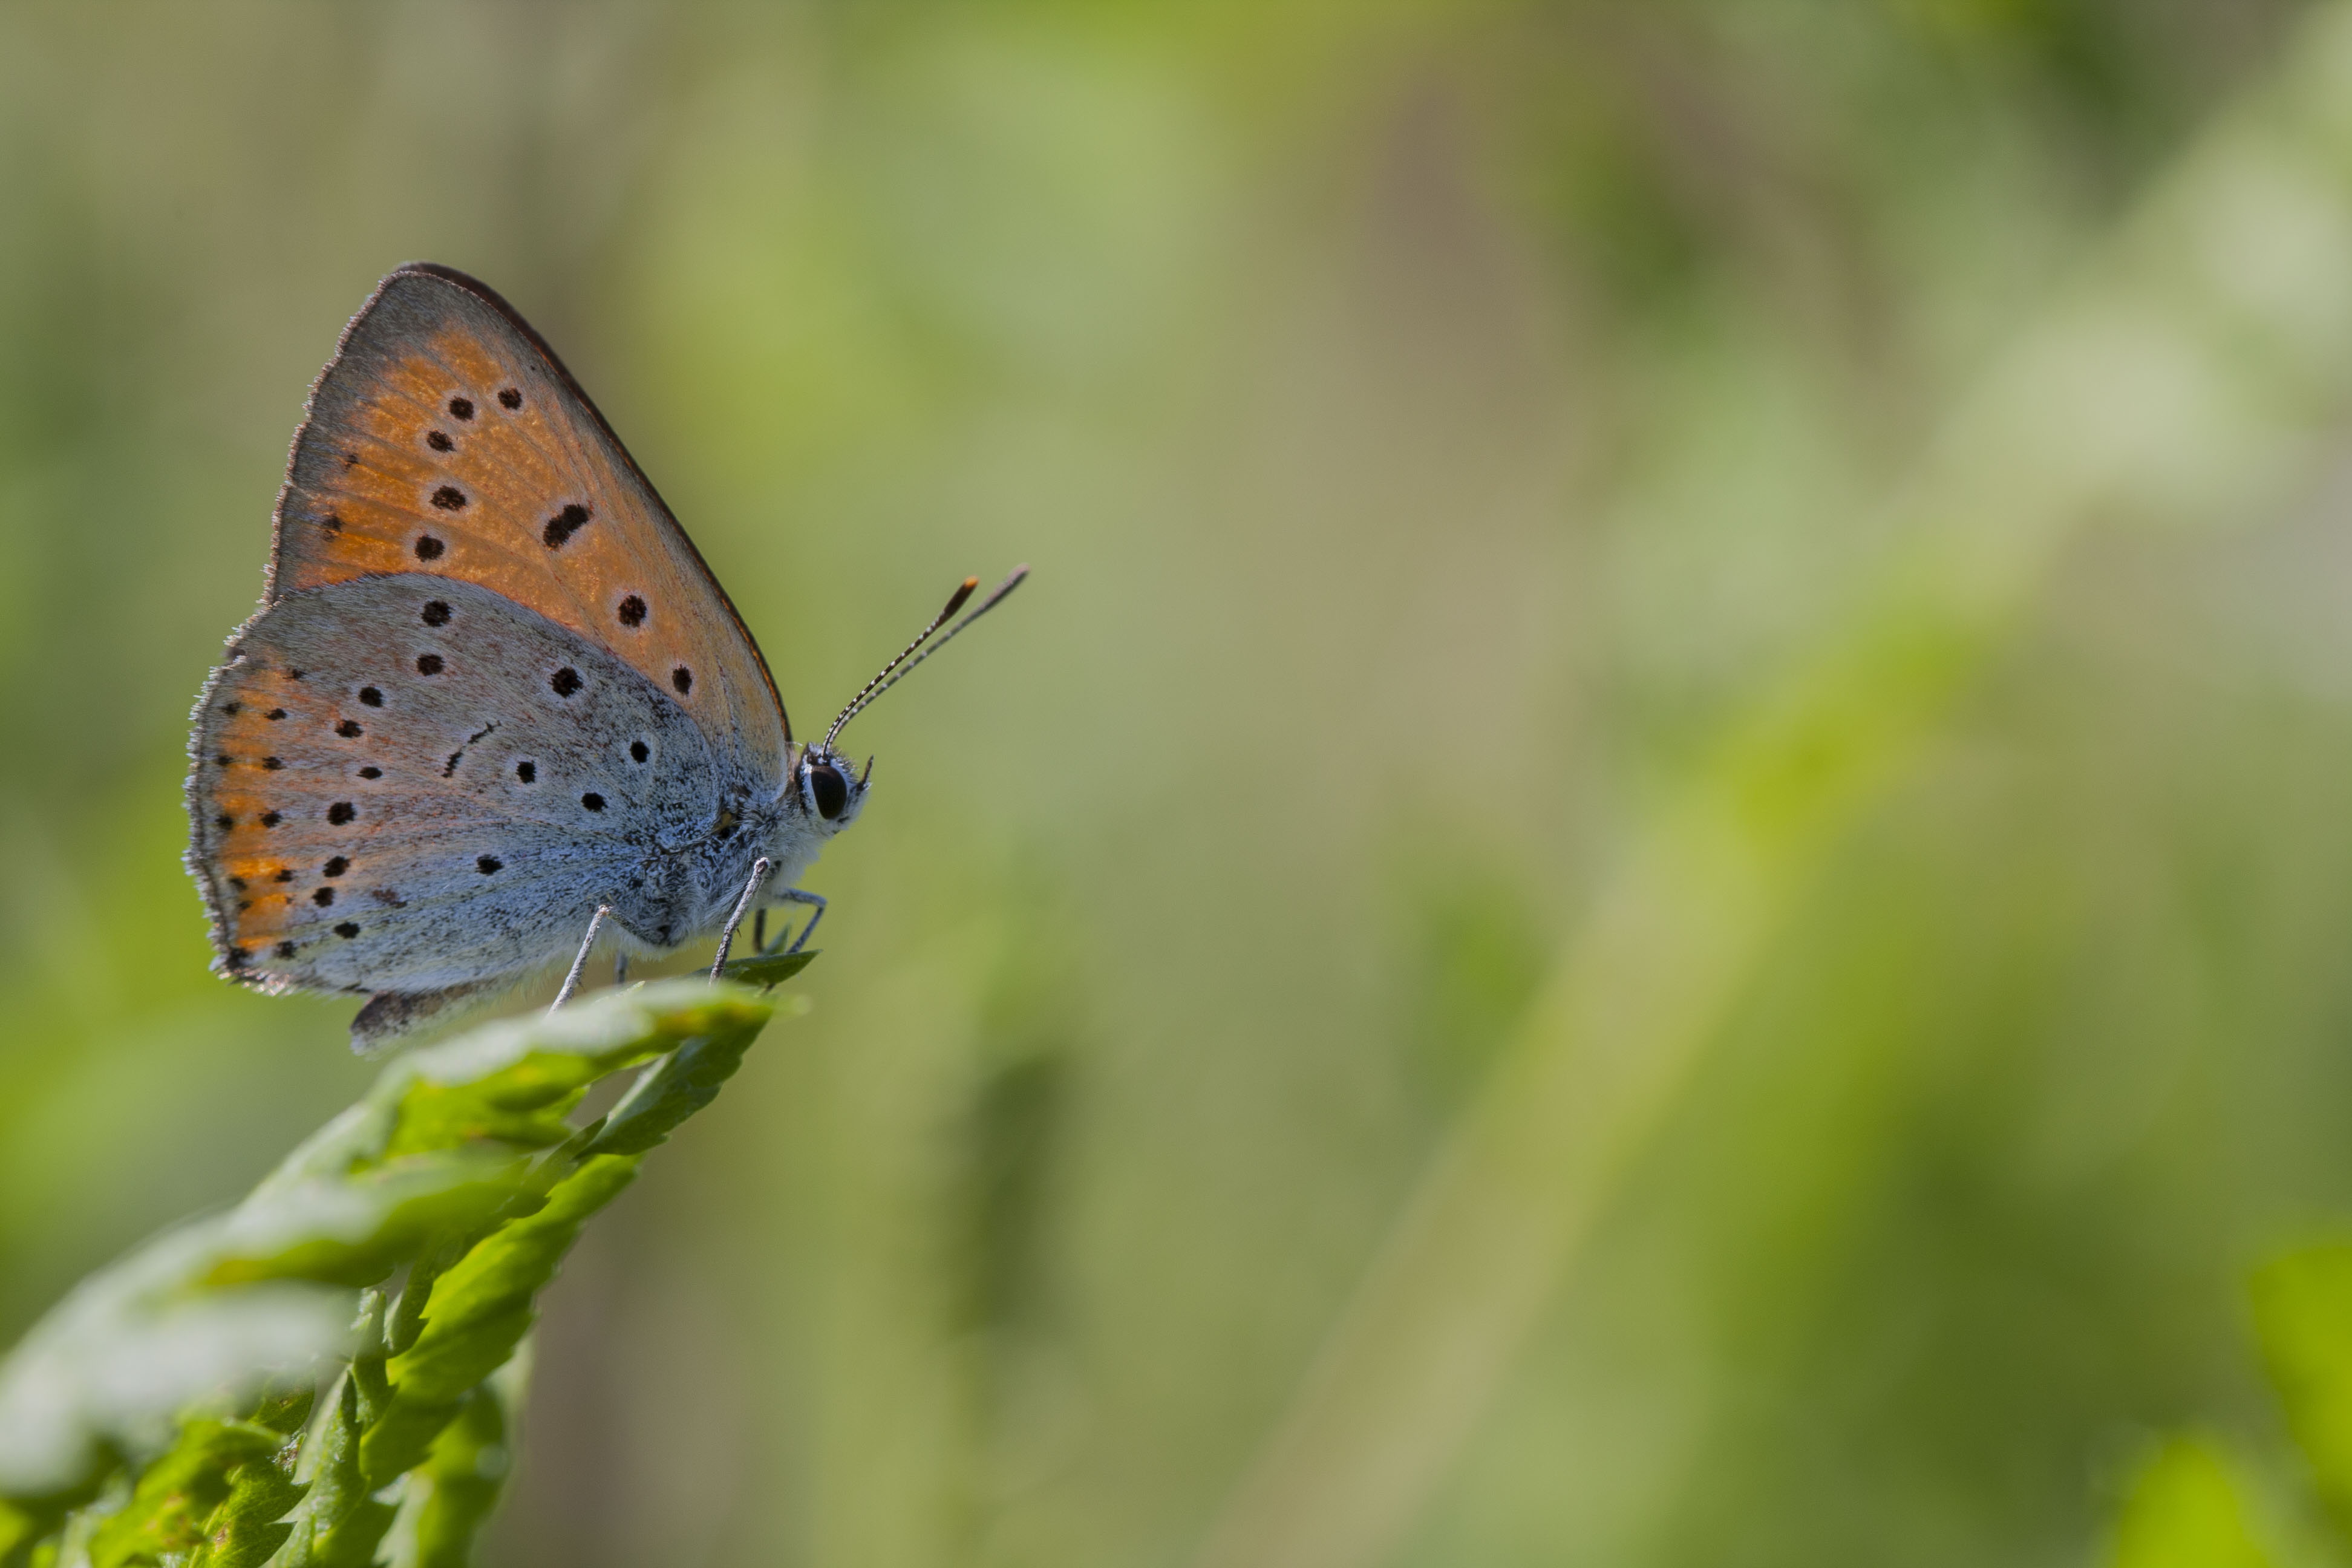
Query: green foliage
[[2188, 1504], [164, 1412], [455, 1487], [183, 1499], [2186, 1509], [767, 968], [2303, 1311]]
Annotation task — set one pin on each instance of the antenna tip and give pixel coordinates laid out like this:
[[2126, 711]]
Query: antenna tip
[[1012, 580]]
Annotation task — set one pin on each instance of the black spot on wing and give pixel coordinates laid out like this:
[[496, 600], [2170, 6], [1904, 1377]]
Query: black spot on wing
[[564, 525]]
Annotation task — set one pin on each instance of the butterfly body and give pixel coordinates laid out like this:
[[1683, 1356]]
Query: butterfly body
[[492, 689]]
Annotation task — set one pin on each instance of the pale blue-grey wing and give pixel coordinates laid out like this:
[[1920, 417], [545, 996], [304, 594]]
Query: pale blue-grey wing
[[407, 782]]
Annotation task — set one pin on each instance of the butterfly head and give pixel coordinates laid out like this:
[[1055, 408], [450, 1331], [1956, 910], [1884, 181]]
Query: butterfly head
[[823, 785], [828, 791]]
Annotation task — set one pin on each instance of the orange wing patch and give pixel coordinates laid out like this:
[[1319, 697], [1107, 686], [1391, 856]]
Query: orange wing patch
[[276, 882], [445, 438]]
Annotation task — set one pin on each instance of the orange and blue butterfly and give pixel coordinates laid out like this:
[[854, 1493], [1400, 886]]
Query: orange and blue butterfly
[[493, 697]]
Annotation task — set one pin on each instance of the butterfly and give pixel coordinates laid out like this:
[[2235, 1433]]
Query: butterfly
[[493, 696]]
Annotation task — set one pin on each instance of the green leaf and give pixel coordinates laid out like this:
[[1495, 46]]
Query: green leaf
[[471, 1323], [352, 1541], [355, 1138], [480, 1308], [670, 1091], [26, 1524], [458, 1485], [357, 1230], [765, 969], [158, 1353], [247, 1528], [514, 1083], [19, 1527], [2302, 1314], [2186, 1509], [406, 1320], [338, 1523], [113, 1365], [178, 1494]]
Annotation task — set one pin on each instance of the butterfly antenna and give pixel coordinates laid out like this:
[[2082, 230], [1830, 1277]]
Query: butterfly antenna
[[915, 652]]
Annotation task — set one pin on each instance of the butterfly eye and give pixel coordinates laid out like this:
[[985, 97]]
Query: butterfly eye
[[830, 790]]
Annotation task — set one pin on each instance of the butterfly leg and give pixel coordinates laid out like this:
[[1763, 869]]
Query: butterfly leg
[[620, 969], [571, 980], [759, 869], [796, 896]]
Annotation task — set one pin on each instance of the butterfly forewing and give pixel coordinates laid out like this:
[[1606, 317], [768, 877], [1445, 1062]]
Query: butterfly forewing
[[445, 438]]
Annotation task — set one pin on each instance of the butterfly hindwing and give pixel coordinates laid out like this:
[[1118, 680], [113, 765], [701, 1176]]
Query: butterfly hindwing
[[405, 784], [446, 438]]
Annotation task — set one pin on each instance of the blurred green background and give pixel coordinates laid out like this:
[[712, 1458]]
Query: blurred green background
[[1660, 871]]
